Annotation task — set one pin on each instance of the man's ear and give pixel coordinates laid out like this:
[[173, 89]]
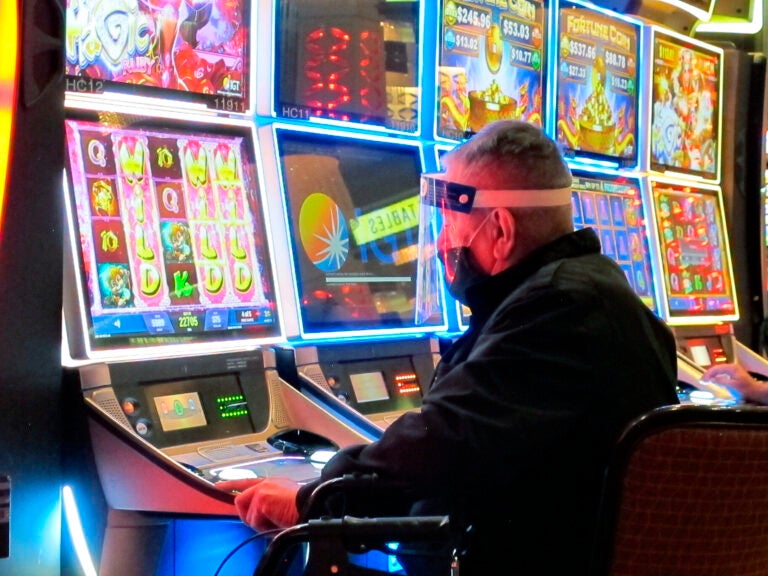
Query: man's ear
[[505, 234]]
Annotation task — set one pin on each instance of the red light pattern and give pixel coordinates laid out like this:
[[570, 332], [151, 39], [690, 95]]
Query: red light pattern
[[344, 72]]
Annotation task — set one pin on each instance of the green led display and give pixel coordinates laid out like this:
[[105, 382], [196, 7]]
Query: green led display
[[232, 406]]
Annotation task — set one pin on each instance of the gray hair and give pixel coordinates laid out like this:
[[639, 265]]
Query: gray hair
[[513, 154], [510, 154]]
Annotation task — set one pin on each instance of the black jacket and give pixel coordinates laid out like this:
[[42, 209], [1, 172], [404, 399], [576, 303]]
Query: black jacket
[[515, 430]]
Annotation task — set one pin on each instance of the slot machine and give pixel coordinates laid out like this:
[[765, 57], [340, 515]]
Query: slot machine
[[343, 128], [171, 289], [171, 295], [491, 65], [352, 229], [684, 161], [598, 101]]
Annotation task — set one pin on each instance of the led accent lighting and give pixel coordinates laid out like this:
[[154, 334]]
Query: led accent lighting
[[232, 406], [75, 526], [730, 25], [8, 73]]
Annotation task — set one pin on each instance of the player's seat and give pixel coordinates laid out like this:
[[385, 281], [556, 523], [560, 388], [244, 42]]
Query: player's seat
[[333, 542], [687, 495]]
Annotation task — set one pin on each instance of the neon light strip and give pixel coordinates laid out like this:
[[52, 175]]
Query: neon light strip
[[729, 25], [8, 72], [703, 15], [75, 527]]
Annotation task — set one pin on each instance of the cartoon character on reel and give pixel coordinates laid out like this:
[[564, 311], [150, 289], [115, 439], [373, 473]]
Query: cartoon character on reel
[[449, 222]]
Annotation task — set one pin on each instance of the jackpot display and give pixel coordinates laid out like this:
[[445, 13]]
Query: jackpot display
[[169, 232], [491, 64], [198, 49], [352, 206], [697, 269], [685, 106], [613, 207], [596, 71], [348, 61]]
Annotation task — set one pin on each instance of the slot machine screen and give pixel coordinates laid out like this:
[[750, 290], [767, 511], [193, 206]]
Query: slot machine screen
[[596, 95], [685, 106], [352, 209], [694, 252], [348, 61], [491, 65], [169, 233], [613, 207], [195, 51]]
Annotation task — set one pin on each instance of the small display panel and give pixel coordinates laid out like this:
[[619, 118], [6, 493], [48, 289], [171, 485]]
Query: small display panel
[[694, 252], [369, 387], [199, 50], [170, 233], [348, 60], [197, 409], [597, 84], [613, 207], [706, 351], [685, 106], [352, 209], [491, 64], [700, 355], [180, 411]]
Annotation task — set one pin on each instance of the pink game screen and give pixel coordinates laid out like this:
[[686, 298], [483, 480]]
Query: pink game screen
[[172, 242]]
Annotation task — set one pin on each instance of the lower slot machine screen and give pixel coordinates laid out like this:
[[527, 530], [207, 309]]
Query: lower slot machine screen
[[696, 261], [613, 207], [348, 61], [596, 71], [491, 65], [169, 234], [352, 206], [685, 106]]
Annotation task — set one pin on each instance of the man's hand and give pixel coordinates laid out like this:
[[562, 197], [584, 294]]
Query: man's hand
[[737, 378], [265, 503]]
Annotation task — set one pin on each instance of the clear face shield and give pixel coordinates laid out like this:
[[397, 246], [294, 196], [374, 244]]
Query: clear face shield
[[445, 228]]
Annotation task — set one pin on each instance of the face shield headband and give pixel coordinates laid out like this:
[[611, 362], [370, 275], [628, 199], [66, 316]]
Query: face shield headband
[[439, 199]]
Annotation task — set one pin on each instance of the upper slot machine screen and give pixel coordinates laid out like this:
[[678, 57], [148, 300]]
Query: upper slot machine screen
[[491, 65], [613, 207], [168, 226], [352, 209], [197, 51], [685, 107], [694, 247], [348, 61], [596, 74]]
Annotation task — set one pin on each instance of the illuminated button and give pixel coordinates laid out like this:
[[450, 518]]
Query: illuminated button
[[143, 428], [158, 323], [236, 474], [130, 406]]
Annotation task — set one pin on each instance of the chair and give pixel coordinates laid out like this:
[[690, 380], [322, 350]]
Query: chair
[[330, 540], [687, 495]]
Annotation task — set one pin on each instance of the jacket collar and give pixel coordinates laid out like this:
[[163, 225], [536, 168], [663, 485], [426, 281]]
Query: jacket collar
[[484, 297]]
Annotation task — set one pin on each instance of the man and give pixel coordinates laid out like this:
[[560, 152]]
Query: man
[[514, 432]]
